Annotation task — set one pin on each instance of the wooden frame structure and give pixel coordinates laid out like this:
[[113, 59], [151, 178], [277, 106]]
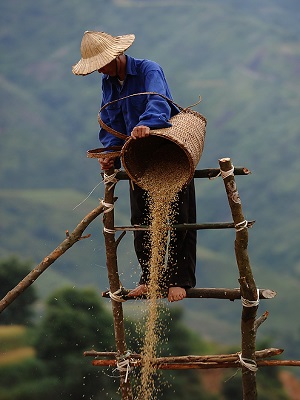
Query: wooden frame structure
[[248, 359]]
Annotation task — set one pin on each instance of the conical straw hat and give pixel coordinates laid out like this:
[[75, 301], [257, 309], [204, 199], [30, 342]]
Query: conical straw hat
[[99, 49]]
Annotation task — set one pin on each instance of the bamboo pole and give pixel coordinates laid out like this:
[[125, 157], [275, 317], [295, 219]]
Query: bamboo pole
[[247, 283], [114, 281], [71, 238]]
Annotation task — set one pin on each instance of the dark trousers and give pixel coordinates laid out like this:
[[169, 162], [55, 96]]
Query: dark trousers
[[181, 264]]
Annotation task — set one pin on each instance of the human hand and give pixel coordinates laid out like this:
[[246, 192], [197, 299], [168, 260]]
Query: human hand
[[140, 131], [106, 163]]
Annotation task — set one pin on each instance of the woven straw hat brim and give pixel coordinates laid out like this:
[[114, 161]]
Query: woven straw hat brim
[[99, 49]]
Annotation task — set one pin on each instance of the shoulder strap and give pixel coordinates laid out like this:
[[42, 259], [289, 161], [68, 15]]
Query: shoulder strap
[[121, 135]]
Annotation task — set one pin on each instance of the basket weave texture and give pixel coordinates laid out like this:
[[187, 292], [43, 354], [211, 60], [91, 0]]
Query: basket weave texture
[[187, 131]]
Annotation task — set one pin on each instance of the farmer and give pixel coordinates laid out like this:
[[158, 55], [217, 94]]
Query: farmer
[[135, 116]]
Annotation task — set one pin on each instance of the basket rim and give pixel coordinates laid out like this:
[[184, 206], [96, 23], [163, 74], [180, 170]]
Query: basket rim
[[152, 133]]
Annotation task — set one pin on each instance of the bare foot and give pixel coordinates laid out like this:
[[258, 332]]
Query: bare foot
[[139, 291], [176, 293]]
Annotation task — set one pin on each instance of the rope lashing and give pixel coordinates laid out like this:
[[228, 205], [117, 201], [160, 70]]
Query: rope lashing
[[250, 303], [248, 363], [109, 206], [241, 225], [111, 231], [117, 296], [123, 364], [110, 179], [224, 174]]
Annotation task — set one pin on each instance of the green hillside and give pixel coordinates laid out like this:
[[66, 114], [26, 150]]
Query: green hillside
[[241, 57]]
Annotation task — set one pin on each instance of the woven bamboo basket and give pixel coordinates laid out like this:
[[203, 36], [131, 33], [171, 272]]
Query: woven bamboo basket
[[187, 136]]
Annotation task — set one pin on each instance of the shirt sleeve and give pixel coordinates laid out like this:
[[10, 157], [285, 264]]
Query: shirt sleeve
[[158, 110]]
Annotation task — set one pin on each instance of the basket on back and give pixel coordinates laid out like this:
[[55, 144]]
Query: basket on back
[[183, 143]]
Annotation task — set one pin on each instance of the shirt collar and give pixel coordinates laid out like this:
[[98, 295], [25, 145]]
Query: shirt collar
[[130, 66]]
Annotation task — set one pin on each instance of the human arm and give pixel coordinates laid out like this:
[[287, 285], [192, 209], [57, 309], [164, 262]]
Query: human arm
[[158, 110]]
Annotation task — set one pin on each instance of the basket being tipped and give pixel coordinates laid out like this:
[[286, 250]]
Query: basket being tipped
[[179, 146]]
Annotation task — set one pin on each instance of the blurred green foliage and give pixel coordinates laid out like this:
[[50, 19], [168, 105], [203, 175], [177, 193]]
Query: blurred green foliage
[[76, 320], [20, 311]]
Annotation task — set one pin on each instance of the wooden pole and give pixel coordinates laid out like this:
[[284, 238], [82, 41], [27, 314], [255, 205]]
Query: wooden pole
[[71, 239], [194, 362], [114, 281], [260, 354], [200, 173], [247, 283], [223, 293], [186, 227], [201, 365], [207, 293]]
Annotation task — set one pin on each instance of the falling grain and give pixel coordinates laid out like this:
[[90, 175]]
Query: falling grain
[[163, 179]]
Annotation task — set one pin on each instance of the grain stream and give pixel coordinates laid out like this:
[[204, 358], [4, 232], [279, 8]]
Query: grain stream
[[163, 179]]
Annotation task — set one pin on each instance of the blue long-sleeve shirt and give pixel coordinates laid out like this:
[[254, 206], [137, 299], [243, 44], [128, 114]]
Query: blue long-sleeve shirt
[[149, 110]]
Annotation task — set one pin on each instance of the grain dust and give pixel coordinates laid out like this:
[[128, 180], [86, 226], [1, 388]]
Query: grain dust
[[163, 179]]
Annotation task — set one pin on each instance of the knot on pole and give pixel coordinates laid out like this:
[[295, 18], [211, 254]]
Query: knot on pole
[[241, 225], [110, 179], [224, 174], [250, 303], [108, 207], [248, 363], [123, 364], [117, 295]]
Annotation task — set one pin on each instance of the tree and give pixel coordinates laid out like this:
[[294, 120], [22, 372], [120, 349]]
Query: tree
[[75, 321], [12, 271]]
